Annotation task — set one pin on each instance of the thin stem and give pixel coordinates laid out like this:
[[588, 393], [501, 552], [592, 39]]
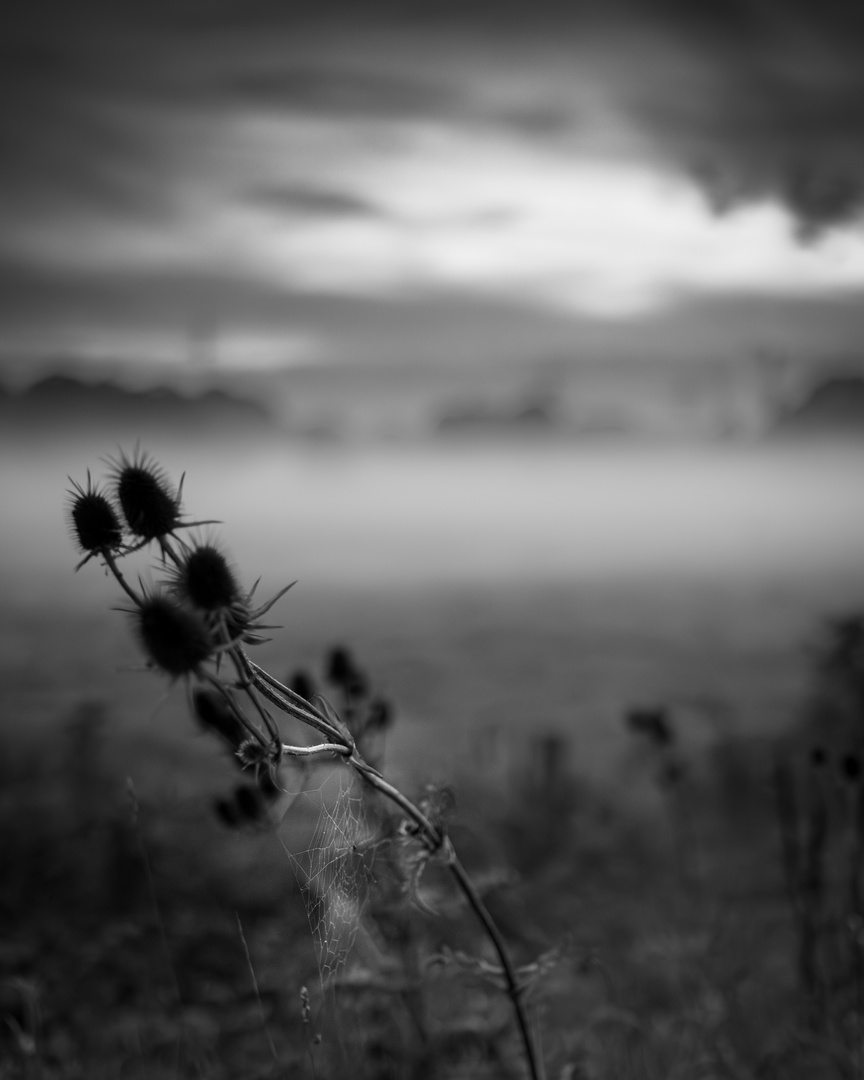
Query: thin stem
[[255, 987], [321, 748], [236, 656], [259, 674], [111, 563], [166, 549], [441, 841], [235, 709], [288, 701], [514, 991], [433, 834]]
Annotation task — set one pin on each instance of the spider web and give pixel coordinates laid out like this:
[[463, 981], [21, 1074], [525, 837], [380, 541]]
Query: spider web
[[334, 871]]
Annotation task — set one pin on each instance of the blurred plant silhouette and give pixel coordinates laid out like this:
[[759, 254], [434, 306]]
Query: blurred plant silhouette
[[819, 798]]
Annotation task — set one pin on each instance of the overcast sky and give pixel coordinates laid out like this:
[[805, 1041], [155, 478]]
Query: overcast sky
[[285, 182]]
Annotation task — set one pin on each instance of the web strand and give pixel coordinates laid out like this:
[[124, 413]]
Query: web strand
[[334, 873]]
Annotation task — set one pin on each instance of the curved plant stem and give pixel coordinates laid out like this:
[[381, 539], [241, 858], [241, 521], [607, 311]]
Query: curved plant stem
[[440, 841], [111, 563], [514, 991], [435, 838], [232, 705]]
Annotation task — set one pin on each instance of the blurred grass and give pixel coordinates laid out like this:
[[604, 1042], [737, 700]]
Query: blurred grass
[[673, 948], [665, 951]]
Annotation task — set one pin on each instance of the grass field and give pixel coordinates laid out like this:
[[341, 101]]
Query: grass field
[[150, 940]]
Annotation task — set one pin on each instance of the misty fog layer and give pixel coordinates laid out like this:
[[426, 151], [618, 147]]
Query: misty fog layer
[[512, 584], [411, 515]]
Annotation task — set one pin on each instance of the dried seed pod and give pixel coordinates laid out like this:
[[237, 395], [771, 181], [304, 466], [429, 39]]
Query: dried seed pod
[[341, 669], [149, 503], [214, 713], [94, 521], [205, 579], [175, 638], [249, 802], [653, 722], [227, 812], [380, 716], [851, 768], [251, 754], [302, 683]]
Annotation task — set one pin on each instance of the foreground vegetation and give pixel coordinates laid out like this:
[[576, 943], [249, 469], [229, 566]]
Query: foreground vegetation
[[297, 922], [158, 940]]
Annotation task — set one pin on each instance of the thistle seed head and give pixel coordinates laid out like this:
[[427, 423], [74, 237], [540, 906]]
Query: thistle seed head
[[851, 768], [303, 684], [341, 669], [205, 579], [249, 802], [150, 505], [226, 811], [94, 521], [380, 714], [214, 714], [175, 638], [252, 753]]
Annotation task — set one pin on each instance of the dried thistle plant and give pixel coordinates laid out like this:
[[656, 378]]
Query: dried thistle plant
[[198, 618]]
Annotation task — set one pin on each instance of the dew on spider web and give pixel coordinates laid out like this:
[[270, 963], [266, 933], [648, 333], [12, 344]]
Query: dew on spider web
[[334, 871]]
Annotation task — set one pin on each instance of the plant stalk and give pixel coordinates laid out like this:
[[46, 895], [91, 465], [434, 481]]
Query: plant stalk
[[439, 840]]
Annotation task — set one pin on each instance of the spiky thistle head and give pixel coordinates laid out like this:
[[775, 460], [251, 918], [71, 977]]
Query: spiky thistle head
[[204, 578], [150, 504], [174, 637], [93, 520]]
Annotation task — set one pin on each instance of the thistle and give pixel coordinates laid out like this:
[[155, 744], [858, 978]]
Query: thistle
[[175, 638], [94, 522], [203, 578], [151, 507]]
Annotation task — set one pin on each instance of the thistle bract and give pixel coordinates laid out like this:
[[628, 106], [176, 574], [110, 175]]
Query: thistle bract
[[175, 638]]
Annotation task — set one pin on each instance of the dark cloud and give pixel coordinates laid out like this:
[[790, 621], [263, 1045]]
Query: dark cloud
[[336, 91], [313, 202], [755, 100], [759, 100], [72, 135], [768, 104]]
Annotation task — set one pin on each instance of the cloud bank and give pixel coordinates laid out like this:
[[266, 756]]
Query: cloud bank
[[261, 159]]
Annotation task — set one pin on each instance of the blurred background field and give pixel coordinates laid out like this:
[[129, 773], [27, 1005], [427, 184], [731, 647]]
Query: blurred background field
[[522, 587], [516, 602]]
